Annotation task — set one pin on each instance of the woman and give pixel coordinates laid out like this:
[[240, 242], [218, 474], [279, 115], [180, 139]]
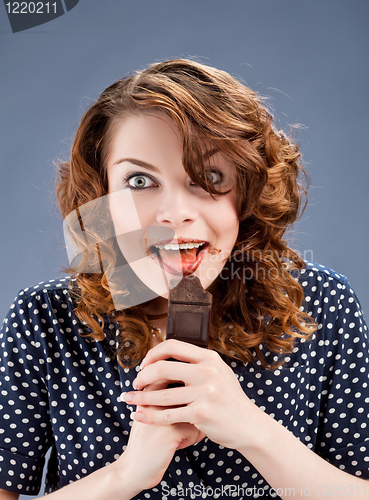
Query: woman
[[178, 170]]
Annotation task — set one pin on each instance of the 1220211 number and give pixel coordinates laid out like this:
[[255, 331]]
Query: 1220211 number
[[31, 7]]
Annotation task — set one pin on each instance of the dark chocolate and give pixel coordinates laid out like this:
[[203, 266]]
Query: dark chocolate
[[189, 312]]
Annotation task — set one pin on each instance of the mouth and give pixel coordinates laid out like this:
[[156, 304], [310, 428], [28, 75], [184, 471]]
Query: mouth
[[179, 257]]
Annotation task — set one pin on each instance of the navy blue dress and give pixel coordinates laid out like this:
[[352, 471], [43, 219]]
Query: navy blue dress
[[61, 390]]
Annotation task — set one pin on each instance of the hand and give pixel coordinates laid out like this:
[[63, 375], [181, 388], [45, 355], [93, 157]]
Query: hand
[[211, 399], [151, 448]]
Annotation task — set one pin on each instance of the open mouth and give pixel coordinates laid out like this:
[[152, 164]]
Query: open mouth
[[180, 257]]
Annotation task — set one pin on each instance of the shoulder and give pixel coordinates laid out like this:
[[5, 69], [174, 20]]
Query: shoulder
[[49, 288], [45, 295], [331, 301], [38, 309], [324, 287], [314, 273]]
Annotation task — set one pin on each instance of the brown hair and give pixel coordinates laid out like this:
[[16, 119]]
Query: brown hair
[[256, 298]]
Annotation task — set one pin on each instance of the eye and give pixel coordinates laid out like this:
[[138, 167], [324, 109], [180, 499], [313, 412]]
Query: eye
[[214, 176], [139, 181]]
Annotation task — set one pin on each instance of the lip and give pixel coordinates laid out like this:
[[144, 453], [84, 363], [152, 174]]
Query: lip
[[178, 241], [202, 248]]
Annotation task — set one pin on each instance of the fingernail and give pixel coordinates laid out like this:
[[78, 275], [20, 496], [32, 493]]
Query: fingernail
[[139, 416], [127, 397], [135, 385], [133, 415], [142, 364]]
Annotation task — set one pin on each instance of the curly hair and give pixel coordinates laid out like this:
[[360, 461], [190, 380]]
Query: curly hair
[[256, 299]]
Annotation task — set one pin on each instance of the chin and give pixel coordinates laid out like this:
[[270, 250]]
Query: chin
[[207, 274]]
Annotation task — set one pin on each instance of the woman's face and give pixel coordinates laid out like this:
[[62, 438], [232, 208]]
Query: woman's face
[[145, 165]]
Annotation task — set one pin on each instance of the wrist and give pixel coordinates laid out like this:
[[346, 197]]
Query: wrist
[[121, 479], [257, 433]]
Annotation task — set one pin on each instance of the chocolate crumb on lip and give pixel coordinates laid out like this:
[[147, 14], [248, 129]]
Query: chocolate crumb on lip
[[212, 250]]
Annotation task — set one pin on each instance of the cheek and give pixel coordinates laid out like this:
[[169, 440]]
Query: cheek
[[145, 208], [129, 211], [123, 212], [226, 220]]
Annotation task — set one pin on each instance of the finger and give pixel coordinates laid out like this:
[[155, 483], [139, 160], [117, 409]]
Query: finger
[[162, 417], [152, 387], [191, 440], [164, 397], [156, 386], [165, 372], [183, 351], [191, 435]]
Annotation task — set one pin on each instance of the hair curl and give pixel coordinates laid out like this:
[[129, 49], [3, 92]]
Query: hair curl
[[263, 306]]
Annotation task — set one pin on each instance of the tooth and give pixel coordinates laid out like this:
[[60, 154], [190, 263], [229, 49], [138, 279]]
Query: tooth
[[181, 246]]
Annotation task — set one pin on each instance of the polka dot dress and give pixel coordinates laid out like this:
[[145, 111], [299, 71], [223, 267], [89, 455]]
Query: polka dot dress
[[60, 390]]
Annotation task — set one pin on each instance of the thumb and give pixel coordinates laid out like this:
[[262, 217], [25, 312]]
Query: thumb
[[193, 437]]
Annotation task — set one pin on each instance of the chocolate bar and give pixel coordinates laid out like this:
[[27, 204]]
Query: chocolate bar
[[189, 312]]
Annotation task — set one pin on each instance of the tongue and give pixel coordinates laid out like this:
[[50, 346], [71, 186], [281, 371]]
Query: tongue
[[182, 260]]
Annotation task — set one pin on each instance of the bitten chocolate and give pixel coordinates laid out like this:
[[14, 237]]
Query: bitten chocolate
[[189, 312]]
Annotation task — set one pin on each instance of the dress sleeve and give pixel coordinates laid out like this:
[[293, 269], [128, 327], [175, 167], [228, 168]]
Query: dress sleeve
[[25, 430], [343, 432]]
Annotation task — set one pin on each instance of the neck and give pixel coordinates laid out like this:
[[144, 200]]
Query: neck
[[152, 317], [157, 307]]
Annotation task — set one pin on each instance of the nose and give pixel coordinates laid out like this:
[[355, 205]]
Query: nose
[[176, 207]]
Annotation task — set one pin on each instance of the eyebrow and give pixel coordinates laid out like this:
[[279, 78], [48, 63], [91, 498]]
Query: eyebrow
[[139, 163], [210, 153], [149, 166]]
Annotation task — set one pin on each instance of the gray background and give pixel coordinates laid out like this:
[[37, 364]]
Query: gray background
[[310, 57]]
